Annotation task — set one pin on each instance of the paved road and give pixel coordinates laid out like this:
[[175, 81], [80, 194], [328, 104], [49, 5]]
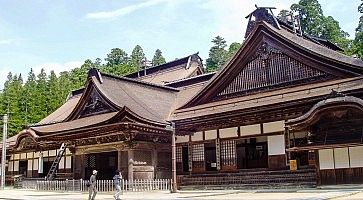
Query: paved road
[[333, 194]]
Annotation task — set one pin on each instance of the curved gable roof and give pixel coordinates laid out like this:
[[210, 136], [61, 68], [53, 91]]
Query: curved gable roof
[[303, 50]]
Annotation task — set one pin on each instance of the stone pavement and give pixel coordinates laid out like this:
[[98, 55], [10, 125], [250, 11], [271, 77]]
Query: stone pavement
[[311, 194]]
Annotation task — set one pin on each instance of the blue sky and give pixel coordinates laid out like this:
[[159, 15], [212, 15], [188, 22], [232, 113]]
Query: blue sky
[[60, 35]]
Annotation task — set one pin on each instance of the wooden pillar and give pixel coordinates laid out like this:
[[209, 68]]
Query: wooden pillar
[[155, 161], [173, 158], [79, 166], [119, 157], [131, 164]]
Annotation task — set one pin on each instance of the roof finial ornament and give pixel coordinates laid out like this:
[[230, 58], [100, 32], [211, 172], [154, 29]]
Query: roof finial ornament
[[261, 14]]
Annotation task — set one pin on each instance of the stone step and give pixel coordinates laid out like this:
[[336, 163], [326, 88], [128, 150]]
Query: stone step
[[301, 185], [264, 178], [258, 172]]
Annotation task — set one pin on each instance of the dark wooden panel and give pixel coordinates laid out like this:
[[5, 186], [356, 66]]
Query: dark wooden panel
[[327, 177], [272, 70], [340, 176], [277, 161], [343, 176], [198, 167], [357, 175]]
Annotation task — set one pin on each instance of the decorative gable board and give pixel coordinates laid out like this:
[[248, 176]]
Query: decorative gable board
[[272, 59], [269, 68], [95, 104]]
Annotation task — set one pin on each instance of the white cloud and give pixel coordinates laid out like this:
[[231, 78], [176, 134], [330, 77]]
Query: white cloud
[[57, 67], [123, 11]]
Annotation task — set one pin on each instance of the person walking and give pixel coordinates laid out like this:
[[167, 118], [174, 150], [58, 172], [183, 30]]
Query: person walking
[[92, 186], [117, 182]]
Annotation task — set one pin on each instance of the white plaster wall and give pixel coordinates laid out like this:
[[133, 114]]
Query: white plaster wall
[[211, 134], [182, 139], [198, 136], [40, 165], [276, 144], [29, 155], [271, 127], [52, 153], [68, 152], [356, 156], [35, 166], [30, 164], [16, 166], [68, 162], [326, 159], [228, 132], [341, 158], [10, 168], [250, 130], [61, 163]]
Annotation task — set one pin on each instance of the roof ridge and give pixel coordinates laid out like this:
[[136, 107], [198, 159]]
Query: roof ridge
[[159, 66], [190, 78], [139, 82]]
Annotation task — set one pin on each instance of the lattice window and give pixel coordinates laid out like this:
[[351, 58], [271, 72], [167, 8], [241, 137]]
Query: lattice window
[[228, 152], [198, 152], [270, 68], [90, 161], [179, 154]]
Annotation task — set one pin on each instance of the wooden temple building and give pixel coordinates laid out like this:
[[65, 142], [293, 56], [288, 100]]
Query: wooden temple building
[[283, 96]]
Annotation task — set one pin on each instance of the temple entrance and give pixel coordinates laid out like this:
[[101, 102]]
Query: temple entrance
[[210, 157], [47, 164], [104, 163], [251, 154], [23, 167], [185, 159], [302, 159]]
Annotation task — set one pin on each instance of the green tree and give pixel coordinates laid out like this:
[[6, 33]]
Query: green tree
[[357, 46], [284, 15], [30, 98], [217, 54], [118, 63], [158, 58], [233, 48], [311, 16], [313, 22], [117, 56], [12, 102], [137, 57]]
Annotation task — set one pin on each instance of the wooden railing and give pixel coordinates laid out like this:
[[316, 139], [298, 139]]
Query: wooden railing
[[102, 185]]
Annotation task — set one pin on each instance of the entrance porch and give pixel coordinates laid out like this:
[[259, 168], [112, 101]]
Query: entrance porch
[[329, 137]]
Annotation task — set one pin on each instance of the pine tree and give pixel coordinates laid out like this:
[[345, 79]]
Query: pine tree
[[217, 54], [137, 57], [158, 58]]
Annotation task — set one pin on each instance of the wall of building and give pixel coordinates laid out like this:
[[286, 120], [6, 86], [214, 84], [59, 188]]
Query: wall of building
[[31, 164], [341, 165], [225, 141]]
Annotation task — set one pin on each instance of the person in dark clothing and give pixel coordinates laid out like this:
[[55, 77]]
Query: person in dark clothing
[[92, 188], [117, 182]]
